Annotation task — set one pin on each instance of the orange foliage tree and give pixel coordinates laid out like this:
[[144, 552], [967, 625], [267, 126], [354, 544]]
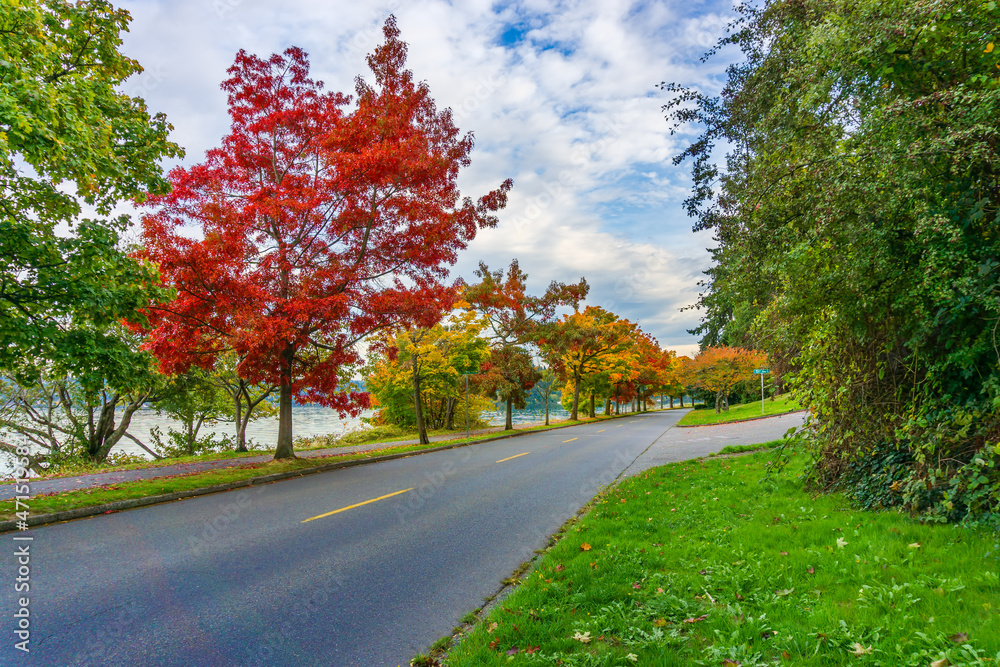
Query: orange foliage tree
[[583, 344], [718, 369]]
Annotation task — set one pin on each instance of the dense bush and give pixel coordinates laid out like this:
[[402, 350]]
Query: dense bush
[[859, 235]]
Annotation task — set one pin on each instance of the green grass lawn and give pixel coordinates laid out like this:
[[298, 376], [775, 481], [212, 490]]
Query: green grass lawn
[[738, 412], [708, 563]]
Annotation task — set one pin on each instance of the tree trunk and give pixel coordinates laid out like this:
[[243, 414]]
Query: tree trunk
[[718, 402], [418, 408], [682, 400], [547, 408], [671, 402], [593, 407], [509, 424], [100, 431], [575, 415], [450, 418], [189, 436], [607, 407], [284, 450], [241, 429]]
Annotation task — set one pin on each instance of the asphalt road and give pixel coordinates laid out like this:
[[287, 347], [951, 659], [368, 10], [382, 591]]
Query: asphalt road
[[262, 577]]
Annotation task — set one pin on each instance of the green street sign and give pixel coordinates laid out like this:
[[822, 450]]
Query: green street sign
[[761, 371]]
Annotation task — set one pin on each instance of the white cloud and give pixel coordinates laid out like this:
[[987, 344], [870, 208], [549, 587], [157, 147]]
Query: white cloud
[[570, 112]]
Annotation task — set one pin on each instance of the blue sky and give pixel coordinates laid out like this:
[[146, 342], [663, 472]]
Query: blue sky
[[561, 97]]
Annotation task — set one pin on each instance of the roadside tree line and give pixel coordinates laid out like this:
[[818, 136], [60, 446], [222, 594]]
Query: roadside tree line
[[321, 223]]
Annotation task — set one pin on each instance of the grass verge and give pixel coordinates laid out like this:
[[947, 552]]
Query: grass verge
[[711, 562], [58, 502], [778, 406]]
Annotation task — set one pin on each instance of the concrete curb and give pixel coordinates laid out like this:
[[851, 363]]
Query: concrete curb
[[741, 421], [133, 503]]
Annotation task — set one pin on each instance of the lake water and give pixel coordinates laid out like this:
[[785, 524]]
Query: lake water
[[307, 421]]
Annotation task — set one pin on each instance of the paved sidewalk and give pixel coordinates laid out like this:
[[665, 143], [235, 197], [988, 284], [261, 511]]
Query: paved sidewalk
[[60, 484], [681, 444]]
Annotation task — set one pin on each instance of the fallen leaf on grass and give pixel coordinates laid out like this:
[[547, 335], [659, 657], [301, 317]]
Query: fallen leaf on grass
[[494, 643], [585, 547], [943, 662], [959, 638], [730, 663], [695, 620], [659, 623], [637, 586], [560, 567], [632, 657], [915, 545], [841, 543], [532, 649], [860, 650], [811, 570], [512, 650], [585, 637], [492, 627], [785, 591], [659, 590], [783, 553]]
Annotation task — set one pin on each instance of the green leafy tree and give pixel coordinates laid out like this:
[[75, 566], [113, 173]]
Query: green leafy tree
[[68, 138], [64, 417], [247, 400], [857, 215], [192, 399], [547, 383]]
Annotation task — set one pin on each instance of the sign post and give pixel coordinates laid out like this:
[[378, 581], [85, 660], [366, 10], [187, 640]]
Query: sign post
[[761, 372]]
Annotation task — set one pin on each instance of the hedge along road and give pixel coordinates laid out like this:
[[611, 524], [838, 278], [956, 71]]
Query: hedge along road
[[362, 566]]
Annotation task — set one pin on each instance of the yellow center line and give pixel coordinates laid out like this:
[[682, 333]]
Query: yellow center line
[[513, 457], [602, 430], [571, 440], [350, 507]]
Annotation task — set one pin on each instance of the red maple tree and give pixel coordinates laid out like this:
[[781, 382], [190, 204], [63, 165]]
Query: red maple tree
[[319, 225]]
